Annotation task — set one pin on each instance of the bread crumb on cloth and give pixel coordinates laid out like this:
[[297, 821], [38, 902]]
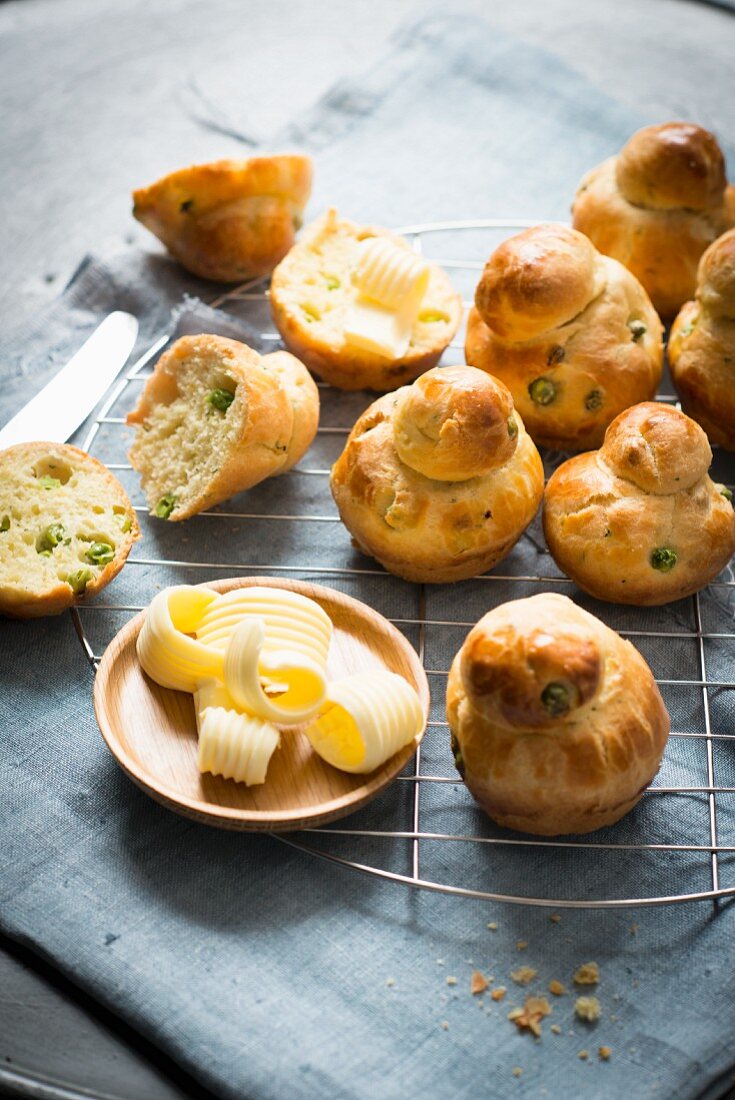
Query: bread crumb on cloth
[[523, 975], [530, 1016], [478, 983], [587, 974], [587, 1008]]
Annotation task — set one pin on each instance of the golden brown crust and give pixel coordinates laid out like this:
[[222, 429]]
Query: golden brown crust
[[276, 404], [569, 382], [454, 423], [303, 397], [716, 278], [656, 448], [537, 759], [19, 603], [421, 528], [626, 526], [702, 345], [672, 166], [657, 206], [537, 281], [309, 303], [230, 220]]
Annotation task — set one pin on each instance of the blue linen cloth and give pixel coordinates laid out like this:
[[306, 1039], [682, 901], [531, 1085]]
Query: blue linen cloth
[[268, 973]]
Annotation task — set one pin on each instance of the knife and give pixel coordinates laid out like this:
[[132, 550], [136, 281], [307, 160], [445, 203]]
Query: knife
[[56, 412]]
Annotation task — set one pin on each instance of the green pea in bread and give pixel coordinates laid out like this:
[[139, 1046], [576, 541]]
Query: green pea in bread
[[66, 528], [215, 418]]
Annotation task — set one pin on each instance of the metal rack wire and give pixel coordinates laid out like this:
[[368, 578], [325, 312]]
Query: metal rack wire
[[638, 856]]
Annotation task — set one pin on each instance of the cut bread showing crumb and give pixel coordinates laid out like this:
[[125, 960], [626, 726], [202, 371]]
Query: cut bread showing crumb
[[66, 528], [312, 292], [215, 418]]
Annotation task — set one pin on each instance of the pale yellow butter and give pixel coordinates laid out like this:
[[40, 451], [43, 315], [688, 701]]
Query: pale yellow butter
[[391, 282], [282, 685], [165, 650], [365, 720], [291, 621], [235, 746]]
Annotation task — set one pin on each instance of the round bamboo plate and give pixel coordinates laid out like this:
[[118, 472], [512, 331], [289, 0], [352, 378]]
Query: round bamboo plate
[[151, 731]]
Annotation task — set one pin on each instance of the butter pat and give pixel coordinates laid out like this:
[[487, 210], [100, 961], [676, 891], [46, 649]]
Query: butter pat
[[165, 651], [291, 621], [391, 282], [281, 685], [235, 746], [366, 719]]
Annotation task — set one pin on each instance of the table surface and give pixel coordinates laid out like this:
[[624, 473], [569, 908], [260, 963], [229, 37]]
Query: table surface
[[76, 72]]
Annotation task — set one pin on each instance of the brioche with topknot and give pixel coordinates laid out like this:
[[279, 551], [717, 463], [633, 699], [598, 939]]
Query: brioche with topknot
[[702, 345], [657, 206], [557, 724], [440, 479], [570, 332], [640, 521]]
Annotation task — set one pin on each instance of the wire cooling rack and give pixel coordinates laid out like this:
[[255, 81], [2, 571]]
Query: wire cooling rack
[[425, 831]]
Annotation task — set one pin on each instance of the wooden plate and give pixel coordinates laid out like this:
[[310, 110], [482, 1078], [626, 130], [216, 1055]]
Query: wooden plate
[[151, 731]]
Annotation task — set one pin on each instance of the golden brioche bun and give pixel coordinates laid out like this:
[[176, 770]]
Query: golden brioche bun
[[230, 220], [702, 345], [640, 521], [537, 281], [452, 424], [312, 292], [570, 332], [657, 206], [485, 490], [557, 723]]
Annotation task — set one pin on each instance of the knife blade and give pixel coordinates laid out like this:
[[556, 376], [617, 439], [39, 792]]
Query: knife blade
[[58, 409]]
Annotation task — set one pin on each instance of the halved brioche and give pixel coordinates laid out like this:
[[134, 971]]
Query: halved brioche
[[230, 220], [312, 292], [215, 417], [66, 528]]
